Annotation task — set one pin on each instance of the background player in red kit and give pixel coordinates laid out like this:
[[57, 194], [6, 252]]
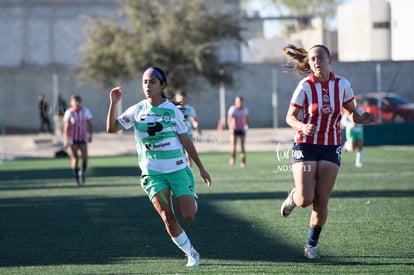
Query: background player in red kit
[[77, 133], [237, 120], [316, 152]]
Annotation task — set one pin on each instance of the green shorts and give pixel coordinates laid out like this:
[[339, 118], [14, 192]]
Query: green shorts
[[180, 183], [353, 136]]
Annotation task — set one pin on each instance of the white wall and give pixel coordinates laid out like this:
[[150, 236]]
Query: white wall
[[360, 38], [402, 29]]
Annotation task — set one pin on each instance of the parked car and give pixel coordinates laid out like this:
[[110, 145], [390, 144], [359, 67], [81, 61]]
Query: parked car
[[394, 108]]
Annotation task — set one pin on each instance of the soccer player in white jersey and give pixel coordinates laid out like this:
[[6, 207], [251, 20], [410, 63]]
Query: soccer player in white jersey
[[315, 114], [354, 135], [77, 132], [161, 138], [190, 116]]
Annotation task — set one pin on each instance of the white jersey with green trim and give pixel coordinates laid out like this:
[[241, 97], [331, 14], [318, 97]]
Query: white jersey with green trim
[[156, 130], [188, 112]]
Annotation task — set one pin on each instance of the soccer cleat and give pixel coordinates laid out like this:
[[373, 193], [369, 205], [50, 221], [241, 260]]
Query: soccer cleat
[[358, 164], [288, 205], [80, 177], [193, 259], [310, 252], [77, 179]]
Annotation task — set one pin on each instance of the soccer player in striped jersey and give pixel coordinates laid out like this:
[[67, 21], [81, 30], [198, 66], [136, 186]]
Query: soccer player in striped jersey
[[315, 114], [161, 140], [77, 133]]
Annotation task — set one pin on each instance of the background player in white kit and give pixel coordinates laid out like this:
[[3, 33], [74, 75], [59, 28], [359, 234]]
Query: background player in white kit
[[161, 138], [354, 135], [190, 117]]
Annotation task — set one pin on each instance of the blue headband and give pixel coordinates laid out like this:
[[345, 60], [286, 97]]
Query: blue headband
[[155, 73]]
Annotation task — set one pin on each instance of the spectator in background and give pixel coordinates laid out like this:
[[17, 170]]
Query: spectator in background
[[44, 114], [190, 117], [62, 106], [237, 122], [77, 133]]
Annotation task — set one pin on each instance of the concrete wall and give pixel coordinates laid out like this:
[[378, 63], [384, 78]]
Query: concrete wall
[[46, 32], [364, 27], [19, 90], [52, 32], [401, 28]]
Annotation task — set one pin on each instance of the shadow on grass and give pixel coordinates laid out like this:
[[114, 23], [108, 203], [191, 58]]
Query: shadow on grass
[[67, 173], [76, 229], [81, 229]]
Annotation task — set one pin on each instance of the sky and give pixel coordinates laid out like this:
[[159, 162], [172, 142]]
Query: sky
[[271, 28]]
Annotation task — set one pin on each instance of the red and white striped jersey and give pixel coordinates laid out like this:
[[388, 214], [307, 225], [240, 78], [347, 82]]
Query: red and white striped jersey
[[77, 120], [321, 104]]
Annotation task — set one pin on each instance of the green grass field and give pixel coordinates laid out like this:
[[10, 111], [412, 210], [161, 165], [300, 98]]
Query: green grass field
[[108, 226]]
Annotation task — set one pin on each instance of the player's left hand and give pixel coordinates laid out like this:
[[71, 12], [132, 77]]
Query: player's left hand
[[206, 177], [367, 118]]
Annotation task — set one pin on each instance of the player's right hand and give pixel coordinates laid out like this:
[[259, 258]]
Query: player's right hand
[[308, 129], [116, 94]]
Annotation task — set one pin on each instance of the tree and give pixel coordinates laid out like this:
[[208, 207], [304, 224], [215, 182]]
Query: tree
[[178, 36]]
